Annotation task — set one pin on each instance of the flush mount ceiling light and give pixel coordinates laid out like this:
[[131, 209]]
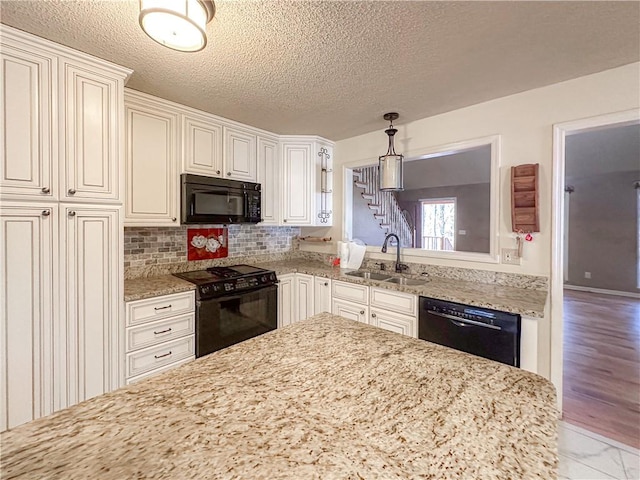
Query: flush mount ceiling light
[[390, 169], [177, 24]]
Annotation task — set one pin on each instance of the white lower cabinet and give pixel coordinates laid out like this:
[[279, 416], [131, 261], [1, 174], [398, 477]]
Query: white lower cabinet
[[304, 291], [350, 310], [529, 344], [91, 260], [321, 295], [286, 300], [28, 317], [394, 322], [62, 297], [160, 334]]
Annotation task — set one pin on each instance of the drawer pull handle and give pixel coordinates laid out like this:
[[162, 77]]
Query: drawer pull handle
[[373, 315], [45, 190], [162, 356], [162, 308], [361, 312], [72, 191], [162, 331]]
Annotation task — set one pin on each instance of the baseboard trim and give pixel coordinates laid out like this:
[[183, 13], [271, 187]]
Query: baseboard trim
[[602, 291]]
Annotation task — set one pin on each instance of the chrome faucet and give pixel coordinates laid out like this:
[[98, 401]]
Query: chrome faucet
[[399, 266]]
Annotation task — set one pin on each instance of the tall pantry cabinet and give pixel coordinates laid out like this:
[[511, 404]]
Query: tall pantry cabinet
[[61, 245]]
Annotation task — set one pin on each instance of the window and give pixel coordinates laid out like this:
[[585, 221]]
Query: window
[[438, 224]]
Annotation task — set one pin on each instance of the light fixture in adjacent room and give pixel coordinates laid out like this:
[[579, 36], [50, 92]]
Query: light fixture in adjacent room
[[177, 24], [390, 169]]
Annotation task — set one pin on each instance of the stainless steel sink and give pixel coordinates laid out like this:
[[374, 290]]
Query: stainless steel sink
[[369, 275], [406, 281]]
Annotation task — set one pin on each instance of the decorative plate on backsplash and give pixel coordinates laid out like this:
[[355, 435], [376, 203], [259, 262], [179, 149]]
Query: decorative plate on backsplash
[[207, 243]]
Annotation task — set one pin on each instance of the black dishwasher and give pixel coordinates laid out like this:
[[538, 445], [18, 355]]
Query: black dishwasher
[[481, 331]]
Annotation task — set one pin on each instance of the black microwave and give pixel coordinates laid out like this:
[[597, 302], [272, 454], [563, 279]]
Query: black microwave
[[217, 200]]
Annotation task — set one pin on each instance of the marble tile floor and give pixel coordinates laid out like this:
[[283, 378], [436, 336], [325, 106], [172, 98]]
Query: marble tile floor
[[588, 456]]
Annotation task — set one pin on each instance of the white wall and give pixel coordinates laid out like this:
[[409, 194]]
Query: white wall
[[525, 123]]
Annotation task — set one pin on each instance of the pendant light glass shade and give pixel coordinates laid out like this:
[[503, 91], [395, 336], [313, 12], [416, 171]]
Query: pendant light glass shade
[[177, 24], [390, 169]]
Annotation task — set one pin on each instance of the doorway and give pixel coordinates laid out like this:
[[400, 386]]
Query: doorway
[[595, 305]]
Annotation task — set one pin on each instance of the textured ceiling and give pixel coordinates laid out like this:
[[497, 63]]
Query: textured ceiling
[[334, 67]]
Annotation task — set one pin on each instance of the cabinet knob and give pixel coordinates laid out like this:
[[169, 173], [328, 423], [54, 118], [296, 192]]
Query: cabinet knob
[[361, 312], [46, 213], [228, 174], [326, 284], [373, 315], [284, 220], [174, 219], [218, 172], [72, 213], [45, 190], [72, 191]]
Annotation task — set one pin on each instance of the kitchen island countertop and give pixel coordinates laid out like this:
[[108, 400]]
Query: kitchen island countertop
[[324, 398]]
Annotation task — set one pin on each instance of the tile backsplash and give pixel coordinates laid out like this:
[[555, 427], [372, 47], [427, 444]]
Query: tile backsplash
[[144, 246]]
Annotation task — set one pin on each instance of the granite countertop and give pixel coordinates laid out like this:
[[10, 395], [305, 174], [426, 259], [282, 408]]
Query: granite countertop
[[527, 302], [323, 398], [147, 287]]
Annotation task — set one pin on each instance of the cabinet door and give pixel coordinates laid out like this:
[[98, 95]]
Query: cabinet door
[[27, 107], [304, 296], [90, 133], [352, 311], [298, 180], [239, 155], [27, 331], [286, 300], [394, 322], [91, 245], [322, 295], [151, 158], [268, 177], [529, 344], [202, 146]]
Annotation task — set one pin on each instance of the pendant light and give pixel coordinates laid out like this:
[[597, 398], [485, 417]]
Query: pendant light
[[177, 24], [390, 169]]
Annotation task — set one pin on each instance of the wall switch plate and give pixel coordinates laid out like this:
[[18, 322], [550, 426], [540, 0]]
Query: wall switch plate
[[510, 256], [587, 274]]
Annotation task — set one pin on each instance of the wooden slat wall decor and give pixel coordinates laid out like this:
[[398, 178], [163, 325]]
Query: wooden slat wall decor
[[524, 198]]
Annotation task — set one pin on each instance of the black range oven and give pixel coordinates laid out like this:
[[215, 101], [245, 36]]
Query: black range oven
[[233, 304]]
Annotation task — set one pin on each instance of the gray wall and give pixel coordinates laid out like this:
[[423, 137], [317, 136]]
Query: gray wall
[[603, 210], [473, 210], [364, 225]]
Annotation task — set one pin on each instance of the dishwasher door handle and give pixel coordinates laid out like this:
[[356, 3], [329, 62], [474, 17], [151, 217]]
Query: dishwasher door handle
[[457, 321]]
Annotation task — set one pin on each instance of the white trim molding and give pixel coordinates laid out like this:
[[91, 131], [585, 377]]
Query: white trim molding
[[602, 291], [560, 132]]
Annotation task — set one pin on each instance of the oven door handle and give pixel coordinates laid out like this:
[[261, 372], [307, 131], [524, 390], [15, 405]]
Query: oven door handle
[[240, 295], [465, 322]]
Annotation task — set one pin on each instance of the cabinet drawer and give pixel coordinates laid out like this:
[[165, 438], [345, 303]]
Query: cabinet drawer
[[151, 358], [351, 291], [153, 333], [405, 303], [156, 308], [157, 371]]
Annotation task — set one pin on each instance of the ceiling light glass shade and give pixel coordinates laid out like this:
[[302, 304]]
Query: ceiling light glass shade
[[177, 24], [390, 169]]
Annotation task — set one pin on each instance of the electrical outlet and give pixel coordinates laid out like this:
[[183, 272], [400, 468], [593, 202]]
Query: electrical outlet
[[587, 274], [510, 256]]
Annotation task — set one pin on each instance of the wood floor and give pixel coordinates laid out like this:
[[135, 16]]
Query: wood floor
[[602, 364]]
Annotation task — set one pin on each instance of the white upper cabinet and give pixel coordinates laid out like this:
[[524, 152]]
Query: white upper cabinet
[[298, 179], [91, 136], [268, 178], [201, 145], [239, 154], [28, 158], [151, 160], [61, 122]]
